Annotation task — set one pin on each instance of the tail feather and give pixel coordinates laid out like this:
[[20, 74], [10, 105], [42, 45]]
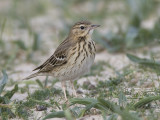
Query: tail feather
[[31, 76]]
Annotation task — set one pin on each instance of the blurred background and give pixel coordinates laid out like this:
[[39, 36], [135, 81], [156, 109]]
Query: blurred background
[[30, 31]]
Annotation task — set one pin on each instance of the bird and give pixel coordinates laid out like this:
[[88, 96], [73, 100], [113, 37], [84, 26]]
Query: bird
[[73, 58]]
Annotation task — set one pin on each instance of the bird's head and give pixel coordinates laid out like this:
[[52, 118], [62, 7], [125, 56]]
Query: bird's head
[[82, 29]]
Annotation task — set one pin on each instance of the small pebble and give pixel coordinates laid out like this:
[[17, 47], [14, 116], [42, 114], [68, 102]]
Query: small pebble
[[79, 91], [94, 92], [40, 108]]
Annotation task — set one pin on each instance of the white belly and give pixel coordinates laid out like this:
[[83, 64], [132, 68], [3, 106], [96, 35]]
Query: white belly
[[84, 68], [77, 70]]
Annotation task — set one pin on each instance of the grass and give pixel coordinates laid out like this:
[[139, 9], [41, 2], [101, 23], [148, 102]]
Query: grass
[[131, 92]]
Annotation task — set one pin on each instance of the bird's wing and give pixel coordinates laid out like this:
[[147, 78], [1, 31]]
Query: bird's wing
[[58, 58]]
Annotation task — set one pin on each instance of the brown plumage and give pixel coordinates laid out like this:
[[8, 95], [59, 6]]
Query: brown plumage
[[73, 57]]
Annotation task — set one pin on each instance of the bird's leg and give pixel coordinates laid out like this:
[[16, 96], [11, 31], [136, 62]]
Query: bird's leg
[[64, 89], [74, 91]]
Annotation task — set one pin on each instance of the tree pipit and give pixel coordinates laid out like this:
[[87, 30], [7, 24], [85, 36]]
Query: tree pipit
[[73, 57]]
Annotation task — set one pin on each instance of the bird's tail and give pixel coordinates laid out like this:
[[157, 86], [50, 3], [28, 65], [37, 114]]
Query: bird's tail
[[31, 76]]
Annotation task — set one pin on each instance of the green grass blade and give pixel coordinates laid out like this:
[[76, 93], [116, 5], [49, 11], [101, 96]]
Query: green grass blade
[[135, 58], [59, 114], [145, 101], [40, 83], [46, 81], [143, 61], [109, 105], [9, 94], [36, 43], [84, 101], [20, 44], [116, 109], [2, 28], [3, 81], [87, 101], [68, 115]]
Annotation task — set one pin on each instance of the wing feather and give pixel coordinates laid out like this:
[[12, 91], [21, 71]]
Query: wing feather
[[58, 58]]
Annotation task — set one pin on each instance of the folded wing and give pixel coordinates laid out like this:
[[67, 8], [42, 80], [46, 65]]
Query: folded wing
[[57, 59]]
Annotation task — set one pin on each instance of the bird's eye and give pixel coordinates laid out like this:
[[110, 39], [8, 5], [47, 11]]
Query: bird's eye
[[82, 27]]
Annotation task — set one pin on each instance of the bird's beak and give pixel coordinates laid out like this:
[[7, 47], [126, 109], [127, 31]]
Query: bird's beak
[[94, 26]]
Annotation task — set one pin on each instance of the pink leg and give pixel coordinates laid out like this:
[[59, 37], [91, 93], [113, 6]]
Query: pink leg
[[74, 91], [64, 89]]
